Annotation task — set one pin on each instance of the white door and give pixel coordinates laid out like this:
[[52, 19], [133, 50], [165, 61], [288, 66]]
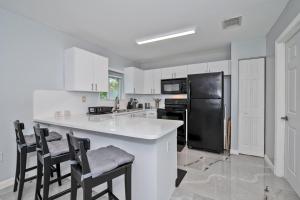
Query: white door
[[252, 106], [199, 68], [292, 138]]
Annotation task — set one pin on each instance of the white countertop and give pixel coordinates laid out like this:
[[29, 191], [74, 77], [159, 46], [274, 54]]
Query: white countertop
[[123, 125]]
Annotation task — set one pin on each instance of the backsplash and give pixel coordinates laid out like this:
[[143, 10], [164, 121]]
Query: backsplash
[[143, 98]]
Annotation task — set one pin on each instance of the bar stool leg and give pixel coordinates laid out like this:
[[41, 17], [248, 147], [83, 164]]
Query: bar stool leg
[[110, 189], [87, 192], [17, 171], [73, 188], [128, 183], [47, 174], [58, 174], [23, 156], [38, 179]]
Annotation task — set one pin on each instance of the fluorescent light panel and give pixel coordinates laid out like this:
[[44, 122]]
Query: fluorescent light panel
[[166, 36]]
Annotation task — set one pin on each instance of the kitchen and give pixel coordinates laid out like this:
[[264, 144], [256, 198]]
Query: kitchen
[[166, 111]]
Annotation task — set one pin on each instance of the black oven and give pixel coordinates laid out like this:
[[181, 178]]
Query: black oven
[[175, 109], [174, 86]]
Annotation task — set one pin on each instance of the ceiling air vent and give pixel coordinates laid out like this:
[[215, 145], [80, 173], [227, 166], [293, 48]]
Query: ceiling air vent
[[236, 21]]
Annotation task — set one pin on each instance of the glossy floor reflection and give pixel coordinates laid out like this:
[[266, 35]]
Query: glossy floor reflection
[[210, 177], [221, 177]]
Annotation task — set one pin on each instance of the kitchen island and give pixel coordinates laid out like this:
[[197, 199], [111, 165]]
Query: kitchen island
[[153, 142]]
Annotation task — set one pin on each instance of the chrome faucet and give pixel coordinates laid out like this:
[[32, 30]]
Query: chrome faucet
[[117, 102]]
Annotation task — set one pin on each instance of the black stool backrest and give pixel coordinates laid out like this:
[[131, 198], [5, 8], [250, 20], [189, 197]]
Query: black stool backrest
[[19, 127], [41, 142], [78, 148]]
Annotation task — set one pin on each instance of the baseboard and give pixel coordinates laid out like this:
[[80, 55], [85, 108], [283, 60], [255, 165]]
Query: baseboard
[[269, 162], [6, 183], [234, 152]]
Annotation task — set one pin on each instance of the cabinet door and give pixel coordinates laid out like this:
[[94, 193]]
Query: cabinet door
[[180, 71], [148, 82], [83, 70], [100, 73], [138, 81], [167, 73], [156, 81], [129, 80], [219, 66], [199, 68]]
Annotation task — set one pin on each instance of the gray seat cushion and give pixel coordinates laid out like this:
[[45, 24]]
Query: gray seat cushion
[[106, 159], [58, 147], [30, 139]]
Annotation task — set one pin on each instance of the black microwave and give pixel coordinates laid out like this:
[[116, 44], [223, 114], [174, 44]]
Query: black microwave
[[174, 86]]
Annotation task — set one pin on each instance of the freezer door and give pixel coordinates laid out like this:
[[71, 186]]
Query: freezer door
[[206, 86], [206, 125]]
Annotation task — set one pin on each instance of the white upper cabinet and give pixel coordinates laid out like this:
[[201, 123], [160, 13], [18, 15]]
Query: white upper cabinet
[[198, 68], [85, 71], [219, 66], [152, 79], [134, 80], [174, 72]]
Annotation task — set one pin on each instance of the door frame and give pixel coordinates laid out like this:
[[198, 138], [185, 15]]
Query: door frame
[[280, 94]]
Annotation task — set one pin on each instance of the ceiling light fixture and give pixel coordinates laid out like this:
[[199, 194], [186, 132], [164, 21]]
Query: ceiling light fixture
[[166, 36]]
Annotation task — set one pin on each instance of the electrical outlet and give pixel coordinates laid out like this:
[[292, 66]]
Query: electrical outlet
[[1, 156], [83, 99]]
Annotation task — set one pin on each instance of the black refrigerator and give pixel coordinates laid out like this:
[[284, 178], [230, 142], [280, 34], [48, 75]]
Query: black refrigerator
[[206, 112]]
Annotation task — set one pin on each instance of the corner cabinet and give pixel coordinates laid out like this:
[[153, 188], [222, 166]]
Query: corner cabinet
[[152, 79], [133, 80], [85, 71]]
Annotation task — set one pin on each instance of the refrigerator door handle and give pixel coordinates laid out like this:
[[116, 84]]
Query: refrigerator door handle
[[189, 95]]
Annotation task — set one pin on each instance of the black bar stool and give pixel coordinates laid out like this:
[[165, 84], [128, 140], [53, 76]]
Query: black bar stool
[[26, 144], [92, 168], [49, 154]]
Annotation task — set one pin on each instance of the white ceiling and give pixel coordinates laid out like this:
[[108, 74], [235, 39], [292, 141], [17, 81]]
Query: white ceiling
[[116, 24]]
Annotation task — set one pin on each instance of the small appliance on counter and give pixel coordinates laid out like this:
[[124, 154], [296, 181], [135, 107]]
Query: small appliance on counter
[[99, 110], [140, 106], [132, 104], [147, 106]]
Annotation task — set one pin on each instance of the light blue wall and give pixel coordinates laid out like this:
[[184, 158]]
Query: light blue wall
[[253, 48], [31, 57], [290, 12]]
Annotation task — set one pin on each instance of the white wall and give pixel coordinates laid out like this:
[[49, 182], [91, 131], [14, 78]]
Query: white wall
[[31, 57], [241, 50]]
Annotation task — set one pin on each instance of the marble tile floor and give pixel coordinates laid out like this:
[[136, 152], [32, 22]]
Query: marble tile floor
[[210, 177], [222, 177]]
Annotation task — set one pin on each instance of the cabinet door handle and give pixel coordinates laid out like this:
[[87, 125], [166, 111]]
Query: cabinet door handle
[[92, 86], [96, 87]]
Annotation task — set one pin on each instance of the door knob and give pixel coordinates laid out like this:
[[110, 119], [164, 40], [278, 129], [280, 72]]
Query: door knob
[[285, 118]]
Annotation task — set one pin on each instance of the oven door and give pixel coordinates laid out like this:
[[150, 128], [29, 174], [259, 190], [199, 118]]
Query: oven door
[[173, 86], [175, 115]]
